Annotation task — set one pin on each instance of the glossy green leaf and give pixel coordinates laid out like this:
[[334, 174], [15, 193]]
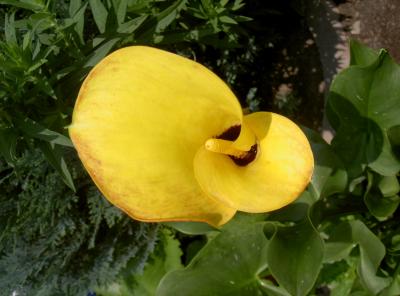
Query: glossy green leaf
[[381, 206], [361, 55], [350, 234], [394, 138], [191, 228], [394, 135], [394, 288], [296, 211], [295, 257], [272, 290], [228, 265], [389, 185], [381, 200], [362, 118], [329, 174]]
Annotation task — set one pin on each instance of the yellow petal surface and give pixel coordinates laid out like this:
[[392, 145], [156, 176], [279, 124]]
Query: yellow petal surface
[[141, 116], [280, 172]]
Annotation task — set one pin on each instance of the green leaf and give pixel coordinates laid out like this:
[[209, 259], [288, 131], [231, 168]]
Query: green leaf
[[9, 30], [227, 20], [159, 264], [296, 211], [295, 257], [389, 185], [77, 14], [228, 265], [361, 55], [131, 26], [272, 290], [394, 135], [165, 258], [394, 138], [167, 16], [8, 143], [372, 251], [37, 131], [120, 7], [381, 201], [54, 155], [340, 276], [394, 288], [380, 206], [329, 174], [191, 228], [364, 117], [34, 5], [100, 14], [100, 52]]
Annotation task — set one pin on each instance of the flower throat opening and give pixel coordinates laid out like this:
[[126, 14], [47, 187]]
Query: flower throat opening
[[240, 158]]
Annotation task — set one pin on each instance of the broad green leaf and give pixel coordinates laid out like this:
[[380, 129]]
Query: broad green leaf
[[381, 201], [296, 211], [272, 290], [364, 117], [54, 155], [394, 135], [349, 234], [394, 288], [381, 206], [191, 228], [295, 257], [394, 138], [372, 252], [329, 174], [389, 185], [228, 265], [100, 14], [361, 55], [37, 131]]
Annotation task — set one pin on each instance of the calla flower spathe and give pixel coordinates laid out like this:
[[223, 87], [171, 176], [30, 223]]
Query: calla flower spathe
[[165, 139]]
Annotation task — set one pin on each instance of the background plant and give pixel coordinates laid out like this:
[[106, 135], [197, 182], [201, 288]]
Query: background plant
[[60, 237]]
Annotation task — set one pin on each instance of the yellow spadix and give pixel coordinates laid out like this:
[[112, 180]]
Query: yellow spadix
[[164, 139]]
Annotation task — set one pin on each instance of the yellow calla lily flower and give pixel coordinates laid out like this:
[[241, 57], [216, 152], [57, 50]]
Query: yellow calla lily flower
[[165, 139]]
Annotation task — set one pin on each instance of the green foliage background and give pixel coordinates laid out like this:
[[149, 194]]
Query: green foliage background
[[59, 236]]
